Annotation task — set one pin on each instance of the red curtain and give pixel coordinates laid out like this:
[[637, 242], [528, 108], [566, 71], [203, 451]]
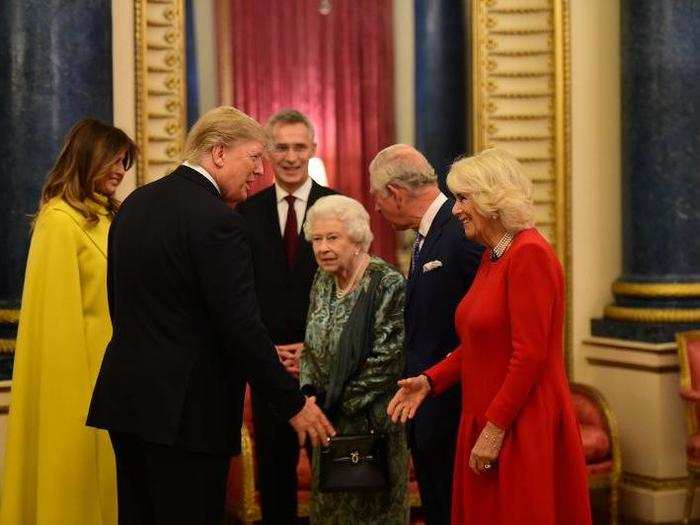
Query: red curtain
[[336, 68]]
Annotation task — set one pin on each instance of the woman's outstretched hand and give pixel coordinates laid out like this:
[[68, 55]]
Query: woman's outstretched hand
[[406, 401]]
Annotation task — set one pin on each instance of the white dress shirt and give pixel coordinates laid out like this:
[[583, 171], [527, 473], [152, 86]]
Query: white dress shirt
[[205, 173], [429, 216], [302, 198]]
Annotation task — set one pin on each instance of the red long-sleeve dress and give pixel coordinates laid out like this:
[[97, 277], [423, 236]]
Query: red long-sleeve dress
[[510, 363]]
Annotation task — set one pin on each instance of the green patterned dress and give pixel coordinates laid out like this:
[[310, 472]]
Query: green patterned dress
[[368, 392]]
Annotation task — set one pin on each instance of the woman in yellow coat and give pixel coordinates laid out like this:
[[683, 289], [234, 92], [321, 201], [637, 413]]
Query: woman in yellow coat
[[57, 470]]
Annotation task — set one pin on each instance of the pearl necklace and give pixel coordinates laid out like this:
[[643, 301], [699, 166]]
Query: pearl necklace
[[502, 245], [342, 292]]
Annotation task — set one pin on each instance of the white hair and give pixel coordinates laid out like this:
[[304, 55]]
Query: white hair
[[403, 165], [348, 211], [496, 184]]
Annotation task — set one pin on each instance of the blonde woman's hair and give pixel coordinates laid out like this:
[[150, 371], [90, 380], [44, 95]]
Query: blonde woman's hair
[[221, 126], [348, 211], [90, 150], [403, 165], [495, 182]]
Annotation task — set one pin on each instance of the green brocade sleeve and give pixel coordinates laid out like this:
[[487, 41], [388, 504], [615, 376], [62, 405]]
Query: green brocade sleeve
[[385, 364]]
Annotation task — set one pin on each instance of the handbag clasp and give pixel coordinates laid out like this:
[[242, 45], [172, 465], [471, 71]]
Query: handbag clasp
[[355, 457]]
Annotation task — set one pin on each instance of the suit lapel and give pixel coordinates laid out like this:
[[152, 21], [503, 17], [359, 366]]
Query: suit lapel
[[431, 240], [304, 252], [270, 223]]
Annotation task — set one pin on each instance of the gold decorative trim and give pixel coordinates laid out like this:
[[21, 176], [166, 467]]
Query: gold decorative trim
[[521, 82], [663, 369], [161, 84], [7, 346], [517, 10], [250, 512], [656, 289], [652, 483], [9, 316], [652, 315]]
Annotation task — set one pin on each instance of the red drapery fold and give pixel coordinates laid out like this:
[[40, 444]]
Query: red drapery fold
[[336, 68]]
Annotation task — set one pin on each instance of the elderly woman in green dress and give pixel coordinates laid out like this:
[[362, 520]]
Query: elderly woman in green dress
[[338, 229]]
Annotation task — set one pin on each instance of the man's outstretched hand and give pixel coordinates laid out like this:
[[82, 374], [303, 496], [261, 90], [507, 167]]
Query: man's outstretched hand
[[311, 421]]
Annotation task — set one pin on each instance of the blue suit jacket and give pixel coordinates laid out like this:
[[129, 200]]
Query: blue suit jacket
[[431, 300]]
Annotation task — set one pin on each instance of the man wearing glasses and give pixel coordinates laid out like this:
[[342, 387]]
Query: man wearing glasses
[[284, 270]]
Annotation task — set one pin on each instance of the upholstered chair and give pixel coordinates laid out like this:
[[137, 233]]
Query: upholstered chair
[[689, 360], [601, 445]]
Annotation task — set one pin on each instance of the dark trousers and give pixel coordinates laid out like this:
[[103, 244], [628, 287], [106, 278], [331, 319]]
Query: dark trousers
[[277, 455], [160, 484], [434, 468]]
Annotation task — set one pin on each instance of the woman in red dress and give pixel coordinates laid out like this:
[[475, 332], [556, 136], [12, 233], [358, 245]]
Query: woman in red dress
[[519, 458]]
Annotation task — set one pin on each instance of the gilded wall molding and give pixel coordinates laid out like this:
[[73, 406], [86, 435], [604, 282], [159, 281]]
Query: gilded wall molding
[[161, 83], [656, 289], [652, 315], [520, 96], [7, 346], [652, 483], [9, 316], [521, 103]]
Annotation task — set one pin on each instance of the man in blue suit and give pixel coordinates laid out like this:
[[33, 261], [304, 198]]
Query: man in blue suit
[[443, 265]]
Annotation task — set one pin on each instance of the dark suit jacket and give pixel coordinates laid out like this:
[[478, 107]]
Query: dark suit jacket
[[187, 329], [283, 295], [431, 300]]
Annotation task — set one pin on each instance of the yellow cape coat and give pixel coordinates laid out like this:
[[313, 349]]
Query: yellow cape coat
[[57, 470]]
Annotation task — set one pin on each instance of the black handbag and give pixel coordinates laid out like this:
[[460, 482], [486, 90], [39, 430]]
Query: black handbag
[[354, 463], [357, 462]]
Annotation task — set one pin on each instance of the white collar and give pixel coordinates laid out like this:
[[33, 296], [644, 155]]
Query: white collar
[[301, 193], [205, 174], [430, 213]]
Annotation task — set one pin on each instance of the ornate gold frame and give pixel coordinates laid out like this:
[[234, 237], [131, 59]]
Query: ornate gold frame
[[161, 101], [521, 102]]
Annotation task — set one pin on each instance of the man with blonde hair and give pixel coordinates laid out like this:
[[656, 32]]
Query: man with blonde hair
[[187, 333], [443, 265]]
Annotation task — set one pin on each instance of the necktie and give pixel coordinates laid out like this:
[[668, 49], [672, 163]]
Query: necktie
[[291, 235], [416, 251]]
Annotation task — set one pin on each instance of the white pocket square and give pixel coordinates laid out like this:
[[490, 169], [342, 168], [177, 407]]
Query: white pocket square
[[432, 265]]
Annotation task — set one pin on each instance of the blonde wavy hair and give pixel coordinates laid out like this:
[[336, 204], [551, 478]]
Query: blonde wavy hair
[[495, 182], [223, 125], [88, 154]]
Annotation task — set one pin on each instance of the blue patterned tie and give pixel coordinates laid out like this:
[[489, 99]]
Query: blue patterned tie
[[416, 251]]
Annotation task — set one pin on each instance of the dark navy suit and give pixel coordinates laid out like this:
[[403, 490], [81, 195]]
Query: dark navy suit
[[431, 299]]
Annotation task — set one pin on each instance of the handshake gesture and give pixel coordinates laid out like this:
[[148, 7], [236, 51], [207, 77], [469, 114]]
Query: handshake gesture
[[406, 401], [311, 421]]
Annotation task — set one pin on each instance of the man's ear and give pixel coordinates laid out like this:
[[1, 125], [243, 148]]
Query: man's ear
[[218, 155], [396, 192]]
